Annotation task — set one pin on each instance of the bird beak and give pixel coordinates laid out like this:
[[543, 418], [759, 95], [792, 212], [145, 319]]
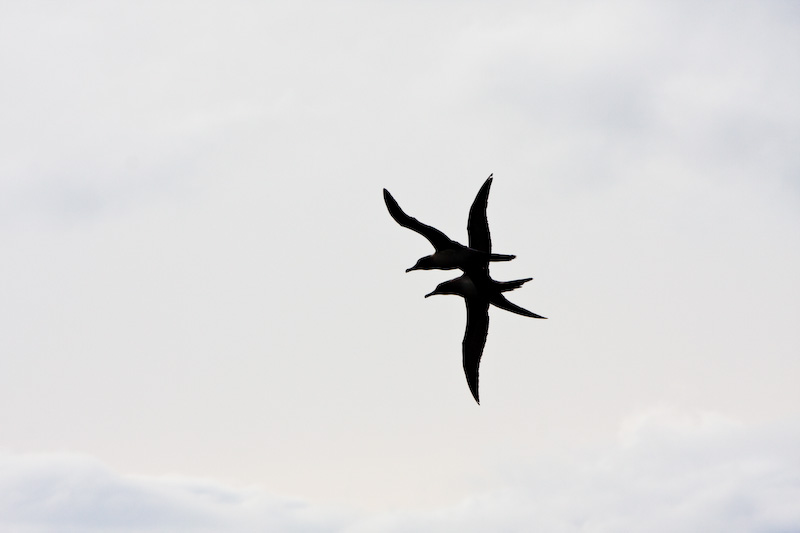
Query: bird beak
[[430, 294], [410, 269]]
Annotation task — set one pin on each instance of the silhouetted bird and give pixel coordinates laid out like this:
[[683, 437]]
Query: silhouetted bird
[[479, 290], [449, 253]]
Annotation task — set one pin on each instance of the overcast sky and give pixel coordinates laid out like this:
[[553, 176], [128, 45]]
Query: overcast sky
[[205, 320]]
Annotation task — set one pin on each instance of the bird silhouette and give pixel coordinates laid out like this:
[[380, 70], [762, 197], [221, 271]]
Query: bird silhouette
[[449, 254], [479, 291]]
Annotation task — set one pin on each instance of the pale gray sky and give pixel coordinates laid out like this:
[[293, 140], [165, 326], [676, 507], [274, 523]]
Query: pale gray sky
[[205, 294]]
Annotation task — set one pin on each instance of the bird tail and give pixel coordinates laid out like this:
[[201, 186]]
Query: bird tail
[[504, 286]]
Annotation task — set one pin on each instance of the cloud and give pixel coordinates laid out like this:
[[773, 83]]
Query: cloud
[[668, 472], [77, 493]]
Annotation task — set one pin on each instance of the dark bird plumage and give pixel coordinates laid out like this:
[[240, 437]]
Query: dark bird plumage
[[478, 294], [449, 254], [476, 286], [479, 290]]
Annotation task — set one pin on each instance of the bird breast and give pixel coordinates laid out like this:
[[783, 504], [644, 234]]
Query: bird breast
[[466, 287]]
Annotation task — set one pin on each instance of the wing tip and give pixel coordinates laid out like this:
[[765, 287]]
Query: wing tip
[[475, 394], [391, 204]]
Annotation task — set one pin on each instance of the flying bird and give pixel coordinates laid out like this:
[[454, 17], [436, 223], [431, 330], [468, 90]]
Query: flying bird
[[479, 290], [449, 254]]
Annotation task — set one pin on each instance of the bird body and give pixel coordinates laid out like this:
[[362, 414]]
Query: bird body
[[479, 292], [457, 256], [449, 254], [484, 288]]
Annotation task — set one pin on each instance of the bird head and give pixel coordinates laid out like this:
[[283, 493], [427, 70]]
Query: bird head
[[453, 286], [425, 263]]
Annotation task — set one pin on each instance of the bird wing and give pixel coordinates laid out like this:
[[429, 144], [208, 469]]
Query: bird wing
[[500, 301], [477, 224], [474, 340], [439, 240]]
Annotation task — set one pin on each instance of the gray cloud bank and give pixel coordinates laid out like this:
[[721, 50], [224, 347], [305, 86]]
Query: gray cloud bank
[[668, 472]]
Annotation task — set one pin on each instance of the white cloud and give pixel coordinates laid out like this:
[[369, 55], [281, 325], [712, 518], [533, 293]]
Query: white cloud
[[669, 472], [77, 493]]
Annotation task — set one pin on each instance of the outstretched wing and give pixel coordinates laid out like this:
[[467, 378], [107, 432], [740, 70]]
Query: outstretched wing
[[500, 301], [475, 340], [439, 240], [478, 225]]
